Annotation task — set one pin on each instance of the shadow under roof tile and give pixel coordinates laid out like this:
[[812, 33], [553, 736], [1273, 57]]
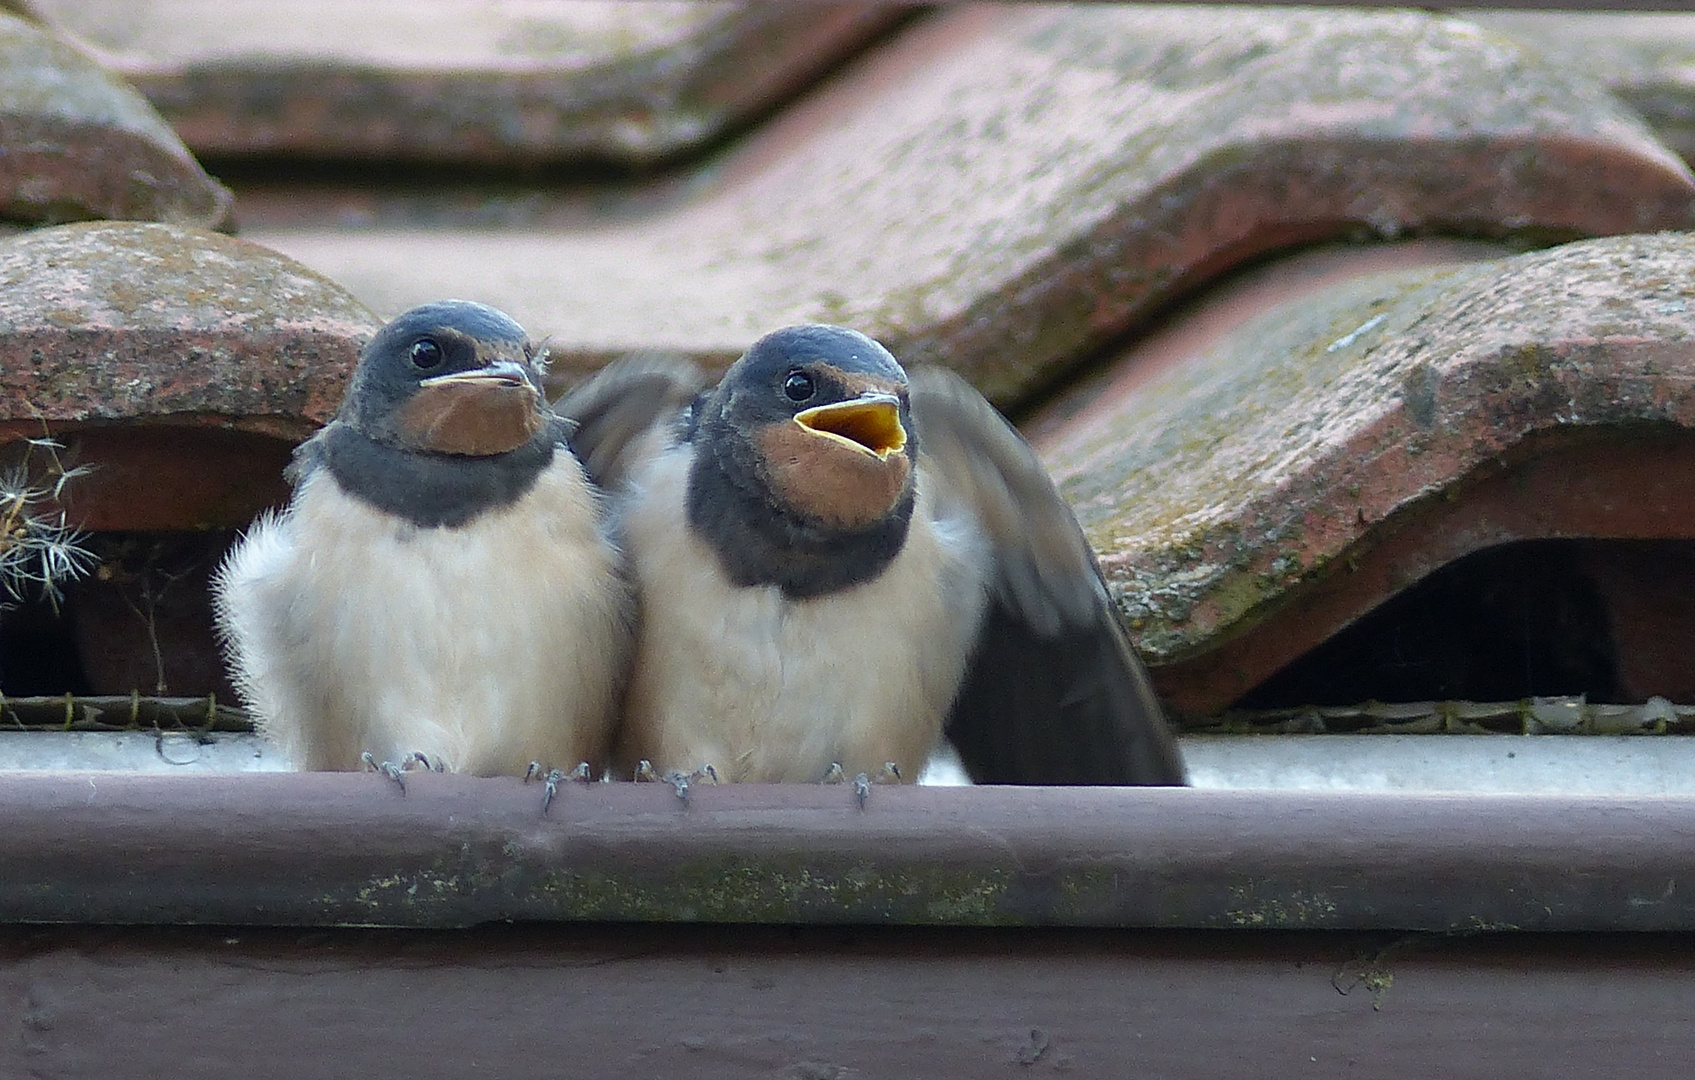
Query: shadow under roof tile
[[440, 80], [75, 142], [1252, 499], [183, 364], [1004, 189]]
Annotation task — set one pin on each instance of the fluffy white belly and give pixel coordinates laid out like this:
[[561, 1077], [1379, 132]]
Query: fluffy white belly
[[768, 689], [483, 646]]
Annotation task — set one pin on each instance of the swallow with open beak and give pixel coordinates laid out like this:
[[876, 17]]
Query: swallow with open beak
[[440, 584], [838, 567]]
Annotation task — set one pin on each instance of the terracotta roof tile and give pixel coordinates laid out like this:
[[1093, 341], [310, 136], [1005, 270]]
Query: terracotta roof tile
[[156, 353], [78, 143], [1646, 60], [1005, 189], [1325, 454], [437, 79]]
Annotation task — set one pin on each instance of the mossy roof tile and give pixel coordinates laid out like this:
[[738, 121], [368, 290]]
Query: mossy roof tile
[[1360, 422], [1006, 189], [438, 80]]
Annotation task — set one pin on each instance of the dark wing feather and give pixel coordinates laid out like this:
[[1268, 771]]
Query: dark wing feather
[[1054, 693], [622, 403]]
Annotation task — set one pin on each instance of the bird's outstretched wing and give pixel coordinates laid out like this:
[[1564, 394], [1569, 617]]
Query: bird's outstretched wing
[[1054, 693], [622, 403]]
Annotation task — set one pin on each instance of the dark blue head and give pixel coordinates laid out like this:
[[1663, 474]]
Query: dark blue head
[[452, 377], [824, 392], [790, 370], [445, 419], [804, 472]]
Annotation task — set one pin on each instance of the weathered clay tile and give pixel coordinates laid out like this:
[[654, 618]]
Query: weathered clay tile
[[1250, 499], [1646, 60], [1006, 188], [446, 81], [182, 364], [75, 142]]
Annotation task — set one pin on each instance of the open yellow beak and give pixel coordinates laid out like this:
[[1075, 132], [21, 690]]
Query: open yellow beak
[[870, 424]]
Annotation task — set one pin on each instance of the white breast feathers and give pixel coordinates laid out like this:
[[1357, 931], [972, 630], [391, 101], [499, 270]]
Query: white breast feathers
[[483, 646], [765, 688]]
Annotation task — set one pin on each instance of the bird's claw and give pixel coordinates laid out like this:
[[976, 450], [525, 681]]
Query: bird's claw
[[682, 782], [862, 783], [645, 773], [555, 777], [394, 772]]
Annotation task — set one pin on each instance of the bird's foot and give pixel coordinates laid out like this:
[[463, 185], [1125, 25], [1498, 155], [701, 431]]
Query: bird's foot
[[682, 781], [554, 777], [862, 783], [645, 773], [396, 771], [834, 774], [584, 772]]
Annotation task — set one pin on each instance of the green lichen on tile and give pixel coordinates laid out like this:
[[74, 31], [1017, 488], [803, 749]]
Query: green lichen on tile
[[1169, 479], [1210, 493], [1046, 186], [1007, 190], [601, 34], [137, 274], [631, 84], [127, 320]]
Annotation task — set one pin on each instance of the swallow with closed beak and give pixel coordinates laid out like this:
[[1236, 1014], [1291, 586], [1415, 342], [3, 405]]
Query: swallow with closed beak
[[440, 586]]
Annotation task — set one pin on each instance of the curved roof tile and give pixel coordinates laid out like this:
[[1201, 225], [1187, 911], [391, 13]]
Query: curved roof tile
[[1646, 59], [1004, 189], [438, 80], [157, 354], [1331, 451], [78, 143]]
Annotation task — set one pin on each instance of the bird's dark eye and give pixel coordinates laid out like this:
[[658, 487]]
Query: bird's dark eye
[[425, 354], [798, 386]]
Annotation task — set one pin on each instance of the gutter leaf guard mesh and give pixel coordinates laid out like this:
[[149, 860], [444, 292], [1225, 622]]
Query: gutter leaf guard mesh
[[1529, 716], [135, 712]]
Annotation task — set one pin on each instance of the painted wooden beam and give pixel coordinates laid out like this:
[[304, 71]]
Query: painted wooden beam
[[832, 1004], [323, 849]]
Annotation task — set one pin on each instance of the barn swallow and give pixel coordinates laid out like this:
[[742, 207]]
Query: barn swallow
[[441, 585], [837, 566]]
